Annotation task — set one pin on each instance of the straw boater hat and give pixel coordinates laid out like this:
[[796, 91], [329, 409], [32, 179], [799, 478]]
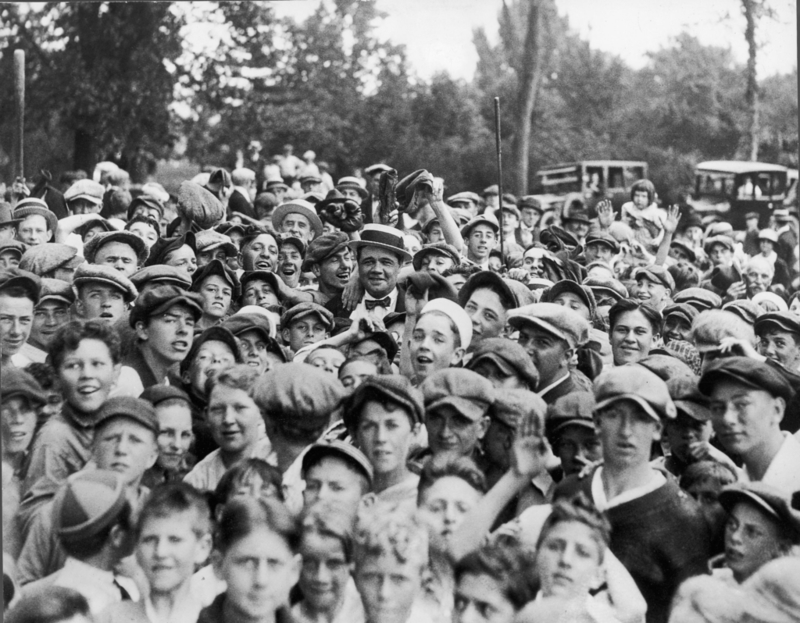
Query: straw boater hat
[[297, 206], [383, 237]]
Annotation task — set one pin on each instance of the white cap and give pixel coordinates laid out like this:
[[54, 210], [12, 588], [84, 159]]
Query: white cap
[[456, 313], [271, 316]]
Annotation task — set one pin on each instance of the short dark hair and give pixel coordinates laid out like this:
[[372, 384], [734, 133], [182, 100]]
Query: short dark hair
[[705, 471], [624, 306], [178, 497], [645, 185], [581, 509], [70, 336], [44, 374], [85, 548], [17, 292], [241, 473], [241, 516], [467, 270], [55, 604], [147, 220], [445, 465]]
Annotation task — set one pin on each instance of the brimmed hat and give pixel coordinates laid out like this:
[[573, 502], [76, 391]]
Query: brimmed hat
[[85, 189], [377, 168], [147, 201], [96, 221], [768, 234], [216, 267], [683, 310], [456, 314], [657, 274], [161, 273], [352, 182], [511, 406], [395, 387], [323, 247], [725, 241], [17, 246], [56, 290], [688, 398], [310, 178], [36, 207], [636, 383], [100, 273], [163, 246], [466, 391], [531, 202], [42, 259], [785, 321], [159, 299], [7, 215], [273, 184], [584, 293], [294, 241], [508, 356], [556, 320], [769, 500], [87, 503], [603, 238], [689, 251], [156, 394], [490, 280], [383, 237], [483, 219], [136, 409], [91, 248], [699, 298], [15, 277], [437, 248], [747, 372], [339, 449], [610, 287], [17, 382], [209, 240], [574, 409], [301, 310], [297, 206]]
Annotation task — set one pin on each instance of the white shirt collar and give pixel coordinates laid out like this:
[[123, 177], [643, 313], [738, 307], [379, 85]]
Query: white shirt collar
[[599, 493], [544, 390]]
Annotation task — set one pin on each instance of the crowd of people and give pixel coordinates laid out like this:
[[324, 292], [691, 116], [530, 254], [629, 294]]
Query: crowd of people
[[269, 397]]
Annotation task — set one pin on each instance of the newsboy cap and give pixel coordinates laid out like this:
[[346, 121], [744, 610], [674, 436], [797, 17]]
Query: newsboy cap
[[301, 310], [396, 387], [684, 311], [508, 356], [657, 274], [323, 247], [441, 249], [699, 298], [91, 248], [164, 246], [512, 406], [136, 409], [56, 290], [85, 189], [16, 382], [341, 450], [216, 267], [636, 383], [747, 372], [42, 259], [556, 320], [199, 205], [100, 273], [783, 321], [161, 274], [574, 409], [466, 391], [156, 394], [87, 503], [688, 398], [160, 298], [18, 278], [770, 500]]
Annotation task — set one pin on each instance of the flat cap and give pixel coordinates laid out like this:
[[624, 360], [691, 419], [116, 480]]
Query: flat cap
[[511, 406], [35, 207], [96, 221], [339, 449], [699, 298], [783, 321], [511, 208], [13, 245], [530, 201], [100, 273], [491, 190], [266, 276], [323, 247], [94, 245], [377, 168], [466, 391], [299, 394], [688, 399], [725, 241], [441, 249], [657, 274], [210, 240], [156, 394], [297, 206], [574, 409], [16, 382], [482, 219], [199, 205], [464, 197], [557, 320], [216, 267], [310, 178], [584, 293], [687, 250], [161, 274], [603, 238], [684, 311], [45, 258], [769, 500], [747, 372], [18, 278], [241, 322], [163, 246], [215, 333], [87, 503], [7, 215], [159, 299], [607, 287], [636, 383], [136, 409], [508, 356], [85, 189], [56, 290], [395, 387], [665, 365], [491, 281], [301, 310], [146, 201]]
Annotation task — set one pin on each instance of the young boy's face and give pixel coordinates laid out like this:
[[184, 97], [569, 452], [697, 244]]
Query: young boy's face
[[685, 434], [211, 357], [174, 435], [327, 359], [87, 375], [433, 345], [19, 422], [479, 598], [388, 587], [706, 492], [168, 550], [385, 436], [325, 571], [233, 417], [305, 331]]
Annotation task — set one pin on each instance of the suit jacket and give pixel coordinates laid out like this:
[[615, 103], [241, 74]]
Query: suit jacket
[[239, 203]]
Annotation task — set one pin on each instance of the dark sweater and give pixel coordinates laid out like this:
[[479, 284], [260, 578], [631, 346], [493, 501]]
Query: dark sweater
[[661, 538], [214, 613]]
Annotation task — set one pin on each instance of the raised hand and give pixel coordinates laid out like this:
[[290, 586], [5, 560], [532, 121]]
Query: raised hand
[[673, 216], [605, 214], [528, 453]]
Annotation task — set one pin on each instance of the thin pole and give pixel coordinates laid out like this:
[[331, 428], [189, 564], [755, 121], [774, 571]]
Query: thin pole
[[19, 89], [499, 173]]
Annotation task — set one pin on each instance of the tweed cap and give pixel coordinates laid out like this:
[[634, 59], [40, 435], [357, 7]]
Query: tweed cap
[[466, 391], [341, 450], [266, 276], [530, 201], [684, 351], [323, 247], [684, 311], [464, 197], [700, 298], [511, 208], [725, 241], [162, 274], [301, 310], [210, 240], [87, 503], [164, 246], [98, 273], [300, 395], [56, 290], [508, 356], [636, 383], [85, 189], [557, 320], [136, 409], [16, 382], [160, 298], [215, 267], [688, 399], [747, 372], [216, 333], [666, 366], [241, 322], [768, 499], [45, 258], [91, 248], [297, 206], [483, 219], [657, 274], [442, 249], [156, 394], [395, 387], [574, 409], [36, 207], [604, 239], [199, 205], [146, 201], [608, 287], [584, 293], [17, 246], [511, 406], [7, 215], [16, 277], [783, 321]]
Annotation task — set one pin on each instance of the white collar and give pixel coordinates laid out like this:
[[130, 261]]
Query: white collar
[[244, 191], [544, 390], [392, 297], [603, 503]]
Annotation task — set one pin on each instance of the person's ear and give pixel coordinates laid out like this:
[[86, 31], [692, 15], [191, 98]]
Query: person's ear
[[569, 353], [315, 268], [80, 309], [458, 355], [294, 568], [141, 331], [216, 563], [659, 428], [151, 460], [483, 426], [202, 549], [779, 406], [285, 335]]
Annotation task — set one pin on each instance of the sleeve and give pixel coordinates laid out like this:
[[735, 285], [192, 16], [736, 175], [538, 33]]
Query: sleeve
[[41, 555]]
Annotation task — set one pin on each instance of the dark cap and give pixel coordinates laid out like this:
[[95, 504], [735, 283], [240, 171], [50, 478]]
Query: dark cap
[[637, 383], [136, 409], [339, 449], [574, 409], [17, 382], [604, 239], [683, 310], [783, 321], [657, 274], [323, 247], [56, 290], [723, 277], [156, 394], [266, 276], [87, 503], [395, 387], [489, 280], [217, 333], [699, 298], [7, 215], [508, 356], [382, 339], [511, 406], [162, 274], [725, 241], [147, 201], [665, 365], [562, 322], [688, 251], [608, 287], [584, 293], [688, 399], [97, 221], [299, 394], [91, 248], [17, 278], [102, 273], [301, 310], [466, 391], [13, 245], [216, 267], [437, 248], [243, 322], [199, 205], [747, 372], [160, 298], [45, 258], [164, 246], [769, 500]]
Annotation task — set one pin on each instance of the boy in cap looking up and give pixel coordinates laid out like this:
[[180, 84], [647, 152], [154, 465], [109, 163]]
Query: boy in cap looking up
[[305, 325], [747, 401], [103, 293], [19, 294], [658, 532]]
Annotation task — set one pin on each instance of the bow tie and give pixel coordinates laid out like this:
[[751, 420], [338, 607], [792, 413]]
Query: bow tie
[[371, 304]]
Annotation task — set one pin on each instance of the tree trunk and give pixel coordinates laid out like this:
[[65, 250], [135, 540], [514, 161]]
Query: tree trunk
[[529, 75], [751, 94], [83, 157]]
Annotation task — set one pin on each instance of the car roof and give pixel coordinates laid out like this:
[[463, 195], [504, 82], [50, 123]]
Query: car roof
[[737, 166], [593, 163]]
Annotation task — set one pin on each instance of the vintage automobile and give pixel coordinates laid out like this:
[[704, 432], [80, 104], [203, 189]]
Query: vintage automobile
[[729, 189], [587, 182]]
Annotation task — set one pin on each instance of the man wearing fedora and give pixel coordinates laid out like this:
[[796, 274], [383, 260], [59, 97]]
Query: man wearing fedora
[[8, 224], [297, 218], [379, 256]]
